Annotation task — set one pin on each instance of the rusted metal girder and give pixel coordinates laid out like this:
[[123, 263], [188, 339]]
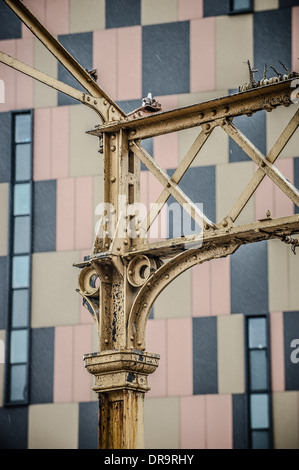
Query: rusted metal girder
[[125, 272]]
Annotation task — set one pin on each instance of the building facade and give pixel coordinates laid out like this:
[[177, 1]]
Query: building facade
[[227, 331]]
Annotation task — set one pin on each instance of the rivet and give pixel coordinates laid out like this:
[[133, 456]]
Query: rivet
[[113, 179], [106, 278], [224, 223], [145, 304], [194, 257], [167, 276], [106, 245], [118, 248], [168, 185], [132, 338], [130, 272], [148, 284], [131, 144], [105, 102], [95, 102], [201, 115], [106, 341], [133, 132], [214, 112], [207, 127], [88, 98], [113, 110], [226, 109], [113, 148], [125, 242], [139, 343], [113, 136], [263, 164]]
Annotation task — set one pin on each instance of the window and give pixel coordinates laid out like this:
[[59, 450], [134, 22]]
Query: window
[[240, 6], [20, 260], [258, 383]]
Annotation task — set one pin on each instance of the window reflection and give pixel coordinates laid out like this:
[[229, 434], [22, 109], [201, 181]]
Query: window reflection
[[257, 332], [22, 199], [259, 403], [20, 271], [22, 235], [18, 382], [22, 128], [18, 346], [20, 308], [23, 162]]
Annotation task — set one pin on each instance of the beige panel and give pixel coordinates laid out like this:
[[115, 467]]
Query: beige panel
[[276, 121], [54, 282], [155, 11], [4, 211], [44, 96], [53, 426], [2, 359], [285, 420], [234, 45], [214, 151], [175, 300], [230, 337], [87, 16], [231, 180], [161, 423], [84, 157], [260, 5], [283, 275]]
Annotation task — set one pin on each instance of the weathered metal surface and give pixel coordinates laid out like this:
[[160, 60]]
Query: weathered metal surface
[[125, 272]]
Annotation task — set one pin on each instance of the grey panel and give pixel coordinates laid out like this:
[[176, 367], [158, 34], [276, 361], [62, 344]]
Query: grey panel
[[240, 419], [205, 371], [288, 3], [255, 129], [79, 45], [121, 13], [41, 365], [10, 24], [5, 147], [88, 425], [291, 333], [44, 216], [3, 291], [165, 58], [215, 7], [249, 279], [269, 45], [13, 427]]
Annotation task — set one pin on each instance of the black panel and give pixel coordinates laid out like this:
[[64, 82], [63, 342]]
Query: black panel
[[79, 45], [42, 365], [5, 147], [205, 372], [215, 7], [240, 421], [13, 427], [165, 58], [3, 291], [288, 3], [269, 45], [291, 349], [296, 179], [249, 279], [88, 425], [121, 13], [255, 129], [10, 24], [44, 213]]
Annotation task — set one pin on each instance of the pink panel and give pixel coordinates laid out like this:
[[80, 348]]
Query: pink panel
[[277, 352], [156, 343], [84, 212], [129, 63], [295, 39], [201, 297], [166, 150], [168, 102], [63, 364], [9, 76], [57, 16], [189, 9], [82, 379], [65, 223], [157, 230], [264, 199], [220, 284], [42, 144], [283, 205], [60, 142], [219, 430], [104, 59], [24, 88], [192, 422], [144, 188], [179, 359], [38, 8], [202, 55]]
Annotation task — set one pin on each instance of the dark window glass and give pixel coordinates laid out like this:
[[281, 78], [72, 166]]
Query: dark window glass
[[239, 5], [258, 370], [23, 162], [257, 333], [22, 199], [18, 382], [18, 346], [22, 235], [20, 271], [20, 308], [260, 440], [22, 128], [259, 416]]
